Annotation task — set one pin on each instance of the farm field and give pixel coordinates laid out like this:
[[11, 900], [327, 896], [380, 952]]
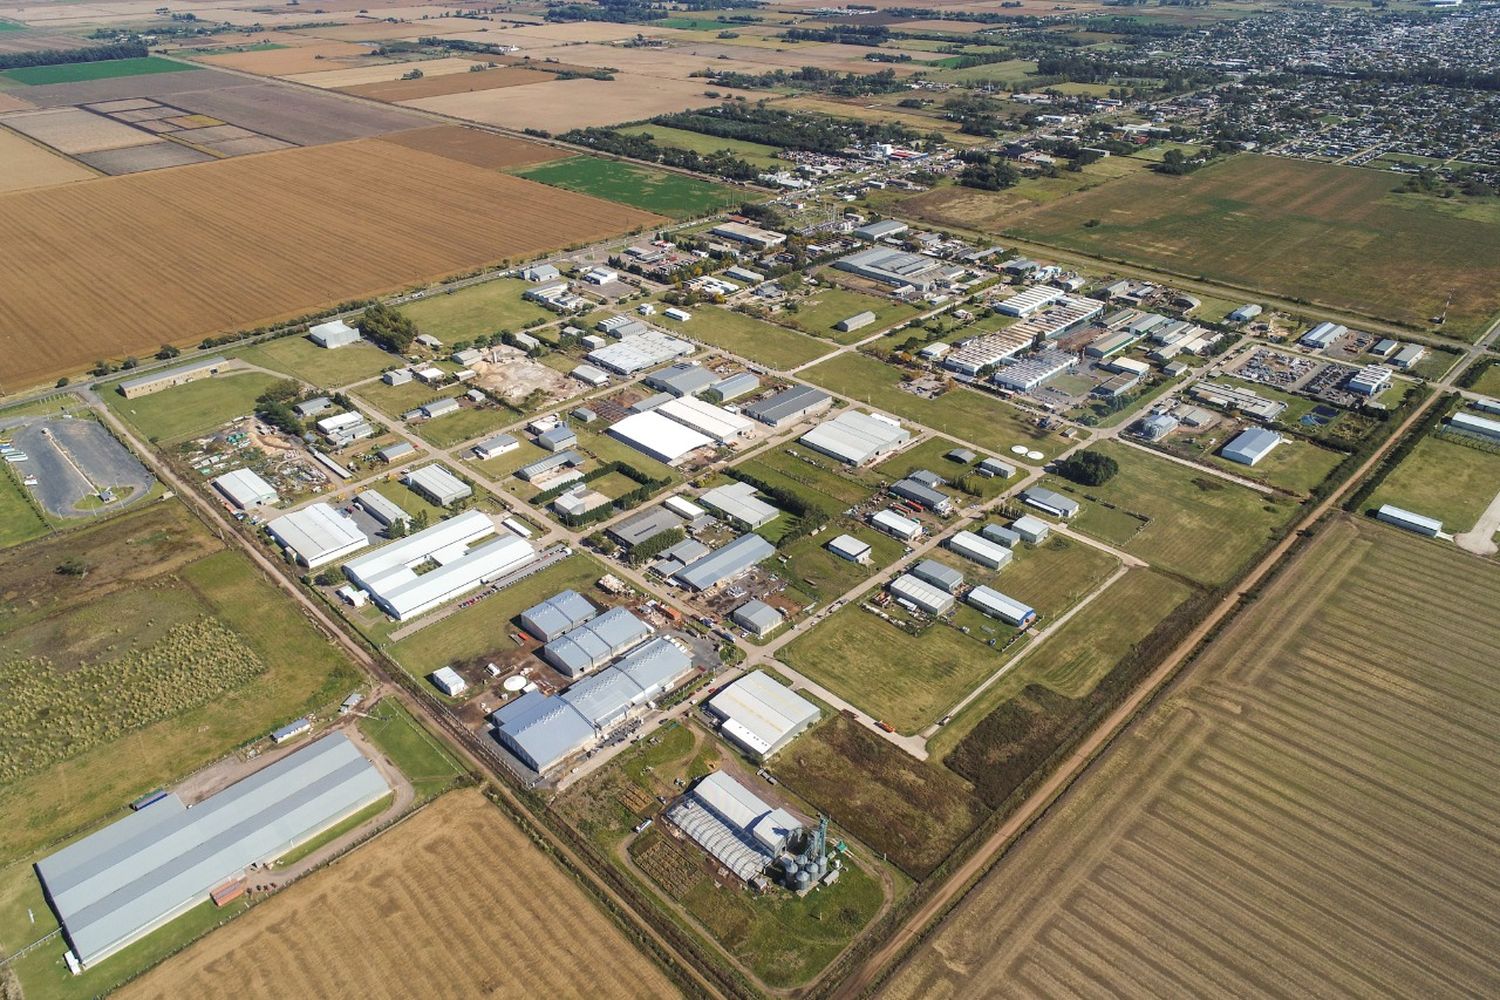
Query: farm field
[[1233, 842], [1253, 220], [761, 342], [485, 308], [398, 910], [1195, 524], [184, 410], [28, 165], [300, 357], [104, 70], [389, 208], [755, 153], [396, 91], [19, 521], [986, 421], [475, 147], [184, 597], [674, 195], [993, 211], [1444, 479], [818, 313]]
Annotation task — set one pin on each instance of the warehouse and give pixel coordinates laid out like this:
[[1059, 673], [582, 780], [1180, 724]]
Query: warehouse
[[758, 618], [1474, 425], [1002, 535], [1033, 530], [907, 589], [245, 489], [1027, 302], [991, 555], [114, 886], [395, 450], [946, 578], [851, 549], [734, 387], [651, 402], [541, 730], [448, 681], [335, 333], [1251, 445], [317, 535], [645, 525], [856, 438], [535, 470], [895, 524], [147, 384], [438, 485], [465, 555], [557, 439], [706, 418], [683, 507], [883, 229], [1371, 380], [1110, 344], [654, 668], [992, 468], [790, 406], [759, 715], [753, 236], [311, 407], [737, 502], [725, 563], [980, 353], [856, 322], [681, 379], [559, 613], [733, 825], [1401, 518], [439, 408], [590, 376], [997, 605], [1025, 374], [664, 440], [636, 353], [595, 642], [895, 268], [1322, 335], [926, 496], [1050, 502], [496, 446], [1244, 313]]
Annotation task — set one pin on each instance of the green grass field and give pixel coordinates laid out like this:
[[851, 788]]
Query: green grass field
[[427, 764], [1051, 577], [195, 408], [324, 368], [1489, 382], [674, 195], [820, 481], [764, 343], [1199, 525], [485, 308], [103, 70], [1253, 221], [822, 576], [468, 423], [818, 313], [19, 520], [988, 422], [755, 153], [1445, 479], [1294, 465], [394, 400]]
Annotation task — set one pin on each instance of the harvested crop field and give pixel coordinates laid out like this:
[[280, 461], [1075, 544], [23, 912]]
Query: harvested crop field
[[477, 147], [24, 164], [1329, 234], [395, 91], [73, 130], [455, 898], [153, 156], [72, 253], [294, 59], [1310, 813], [381, 72], [559, 105]]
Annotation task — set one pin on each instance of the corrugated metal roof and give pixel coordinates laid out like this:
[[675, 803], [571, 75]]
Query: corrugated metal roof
[[757, 616], [933, 572], [786, 404], [725, 562], [245, 488], [992, 602], [541, 730], [765, 712], [737, 500], [558, 613], [855, 437], [933, 600], [583, 648], [317, 534], [654, 666]]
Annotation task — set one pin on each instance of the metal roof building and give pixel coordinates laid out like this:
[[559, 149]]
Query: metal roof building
[[873, 231], [760, 715], [738, 502], [895, 524], [1029, 301], [725, 562], [146, 384], [564, 610], [1050, 502], [850, 548], [682, 379], [317, 535], [541, 730], [997, 605], [735, 386], [1001, 534], [757, 617], [653, 434], [464, 561], [595, 642], [654, 667], [334, 333], [1473, 423], [1251, 445], [245, 489], [544, 465], [497, 445], [790, 406], [643, 350], [920, 493], [706, 418], [116, 885], [893, 267], [438, 484], [923, 596], [733, 825], [1031, 529], [1402, 518], [647, 524], [856, 438], [944, 577], [980, 549], [557, 439]]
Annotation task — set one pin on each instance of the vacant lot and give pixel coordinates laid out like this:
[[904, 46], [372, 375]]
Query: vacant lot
[[757, 153], [1309, 813], [559, 105], [674, 195], [19, 521], [1295, 465], [104, 70], [390, 211], [474, 310], [192, 408], [395, 91], [1445, 479], [321, 367], [825, 307], [1255, 221], [749, 337], [403, 910]]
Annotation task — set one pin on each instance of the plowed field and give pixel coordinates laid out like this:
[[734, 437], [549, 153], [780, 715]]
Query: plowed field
[[115, 266], [454, 902], [1313, 812]]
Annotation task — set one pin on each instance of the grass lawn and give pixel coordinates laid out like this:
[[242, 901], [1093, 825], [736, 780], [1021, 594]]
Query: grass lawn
[[394, 400], [102, 70], [420, 756], [1444, 479], [1294, 465], [1051, 577], [322, 367], [673, 195], [468, 423], [823, 576], [932, 455], [754, 153], [487, 307], [484, 627], [195, 408], [19, 521], [819, 480], [504, 465], [321, 840], [1196, 524], [764, 343], [988, 422], [1489, 383], [826, 306]]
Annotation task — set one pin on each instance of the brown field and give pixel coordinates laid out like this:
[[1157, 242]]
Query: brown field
[[297, 115], [482, 149], [560, 105], [330, 78], [10, 102], [24, 164], [102, 268], [311, 58], [454, 902], [675, 63], [1312, 812], [73, 130], [394, 91], [131, 159]]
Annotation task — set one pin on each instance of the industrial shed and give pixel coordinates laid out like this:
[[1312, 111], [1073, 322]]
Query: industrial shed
[[664, 440], [1251, 445], [496, 446], [945, 578], [895, 524], [706, 418], [643, 526], [757, 617], [761, 716], [1050, 502], [334, 333], [1032, 530], [114, 886], [733, 824], [1475, 425], [850, 548], [923, 596], [681, 379], [639, 352], [564, 610], [317, 535], [245, 489], [438, 485], [181, 375], [790, 406], [997, 605], [920, 493], [1402, 518], [541, 730], [737, 501], [735, 386], [595, 642], [856, 438], [725, 563], [991, 555]]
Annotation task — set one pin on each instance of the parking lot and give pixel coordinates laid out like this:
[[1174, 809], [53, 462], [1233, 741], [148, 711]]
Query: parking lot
[[73, 460]]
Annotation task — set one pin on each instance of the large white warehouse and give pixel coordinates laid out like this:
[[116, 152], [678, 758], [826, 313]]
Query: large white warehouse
[[317, 535], [761, 716], [664, 440], [856, 438]]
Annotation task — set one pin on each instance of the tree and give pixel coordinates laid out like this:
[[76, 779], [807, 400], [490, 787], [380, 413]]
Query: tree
[[420, 521], [1088, 468], [327, 578], [168, 352], [62, 381], [73, 566], [396, 529], [387, 328]]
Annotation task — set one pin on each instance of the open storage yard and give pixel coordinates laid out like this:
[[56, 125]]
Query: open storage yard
[[72, 253], [457, 898], [1310, 812]]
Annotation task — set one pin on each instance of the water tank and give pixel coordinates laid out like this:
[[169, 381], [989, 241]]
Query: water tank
[[514, 683]]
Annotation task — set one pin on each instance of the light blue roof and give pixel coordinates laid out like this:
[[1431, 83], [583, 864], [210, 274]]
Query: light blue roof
[[585, 647], [558, 613], [541, 730]]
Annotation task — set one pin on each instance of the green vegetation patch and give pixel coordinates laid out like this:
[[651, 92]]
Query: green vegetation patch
[[416, 752], [674, 195], [320, 366], [773, 346], [819, 312], [474, 310], [1445, 478], [755, 153], [194, 408], [464, 425], [19, 520], [105, 69]]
